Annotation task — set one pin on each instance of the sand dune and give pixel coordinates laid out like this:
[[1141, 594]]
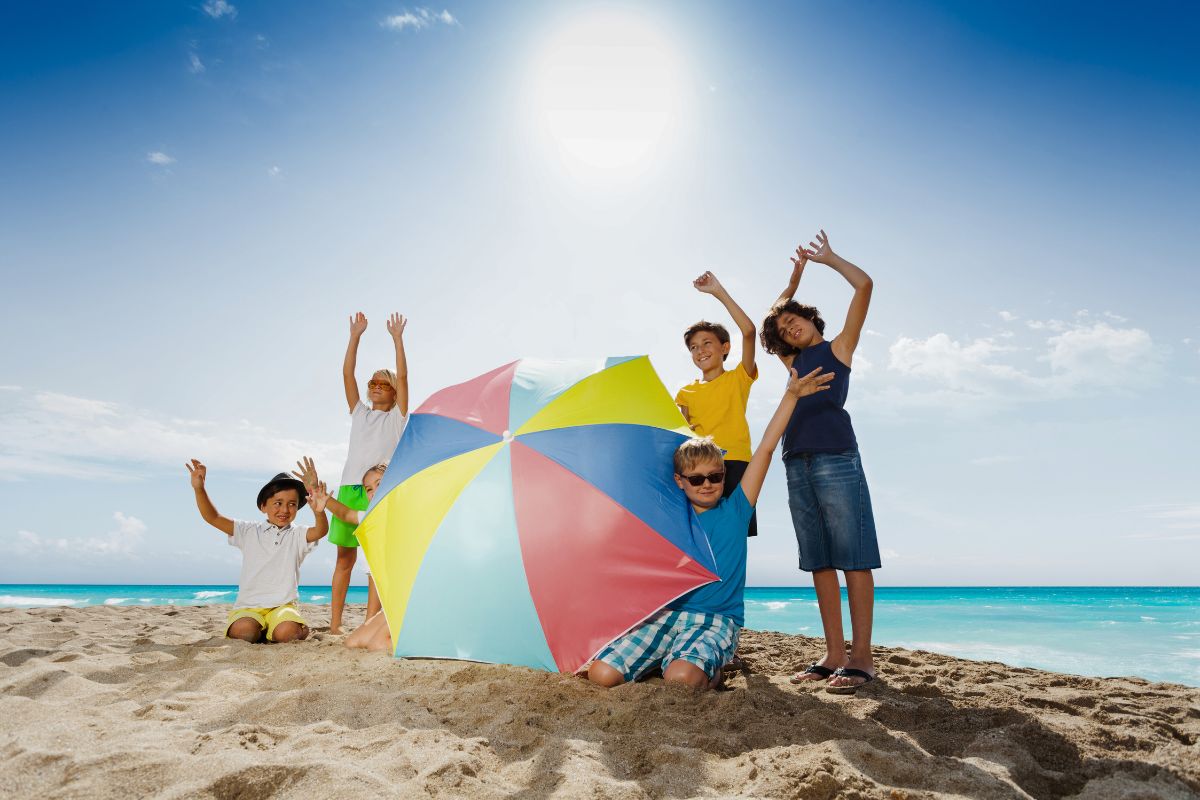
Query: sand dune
[[149, 702]]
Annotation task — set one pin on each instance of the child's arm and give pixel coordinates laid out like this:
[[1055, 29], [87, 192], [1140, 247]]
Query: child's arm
[[709, 284], [798, 262], [845, 343], [198, 473], [318, 494], [322, 527], [358, 324], [789, 292], [797, 387], [395, 325]]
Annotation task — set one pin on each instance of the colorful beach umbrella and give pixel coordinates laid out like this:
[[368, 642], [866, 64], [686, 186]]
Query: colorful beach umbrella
[[529, 516]]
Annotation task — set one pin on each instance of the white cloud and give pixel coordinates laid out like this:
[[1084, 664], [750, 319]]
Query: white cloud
[[970, 366], [159, 158], [122, 542], [418, 19], [195, 65], [220, 8], [274, 171], [1008, 316], [1100, 356], [1075, 359], [49, 434]]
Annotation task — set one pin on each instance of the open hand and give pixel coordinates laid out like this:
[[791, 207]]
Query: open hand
[[318, 496], [707, 283], [798, 261], [820, 251], [813, 382], [307, 473], [198, 472], [396, 324], [358, 324]]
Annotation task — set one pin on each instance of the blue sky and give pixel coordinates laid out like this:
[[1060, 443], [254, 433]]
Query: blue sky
[[194, 197]]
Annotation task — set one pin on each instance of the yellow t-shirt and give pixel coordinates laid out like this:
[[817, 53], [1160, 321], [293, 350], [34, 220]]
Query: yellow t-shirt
[[718, 409]]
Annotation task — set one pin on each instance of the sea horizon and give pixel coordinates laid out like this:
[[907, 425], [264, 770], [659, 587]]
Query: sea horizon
[[1150, 632]]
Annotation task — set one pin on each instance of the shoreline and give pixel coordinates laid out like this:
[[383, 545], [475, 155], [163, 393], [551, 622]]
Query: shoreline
[[118, 701]]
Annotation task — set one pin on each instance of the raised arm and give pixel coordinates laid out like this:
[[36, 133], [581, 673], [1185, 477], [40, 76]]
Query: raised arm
[[318, 531], [846, 342], [208, 511], [797, 387], [319, 499], [395, 325], [709, 284], [358, 324], [798, 262]]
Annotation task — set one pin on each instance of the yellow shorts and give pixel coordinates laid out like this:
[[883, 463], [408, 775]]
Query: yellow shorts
[[268, 618]]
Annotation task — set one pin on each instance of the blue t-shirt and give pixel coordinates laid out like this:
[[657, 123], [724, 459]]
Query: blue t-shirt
[[725, 523]]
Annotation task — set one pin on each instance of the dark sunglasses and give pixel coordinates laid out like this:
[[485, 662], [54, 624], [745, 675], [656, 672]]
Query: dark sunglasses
[[698, 480]]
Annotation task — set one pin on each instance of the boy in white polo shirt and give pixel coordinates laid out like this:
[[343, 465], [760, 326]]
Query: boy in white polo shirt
[[272, 550]]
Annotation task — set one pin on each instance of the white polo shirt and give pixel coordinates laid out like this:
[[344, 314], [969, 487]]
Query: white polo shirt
[[271, 558], [373, 438]]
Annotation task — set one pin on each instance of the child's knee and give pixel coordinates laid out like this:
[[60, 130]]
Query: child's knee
[[687, 673], [346, 557], [246, 629], [289, 632], [604, 675]]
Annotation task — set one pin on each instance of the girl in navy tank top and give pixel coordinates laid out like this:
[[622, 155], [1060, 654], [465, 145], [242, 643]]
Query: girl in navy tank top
[[827, 491]]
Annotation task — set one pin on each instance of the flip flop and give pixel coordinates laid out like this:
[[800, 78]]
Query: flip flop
[[850, 672], [813, 669]]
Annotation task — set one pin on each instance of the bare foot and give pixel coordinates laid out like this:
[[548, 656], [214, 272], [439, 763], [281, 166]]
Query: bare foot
[[335, 631]]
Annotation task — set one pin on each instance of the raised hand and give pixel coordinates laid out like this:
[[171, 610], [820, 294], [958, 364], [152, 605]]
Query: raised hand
[[197, 472], [307, 473], [708, 283], [396, 324], [318, 496], [811, 383], [358, 324], [798, 262], [820, 251]]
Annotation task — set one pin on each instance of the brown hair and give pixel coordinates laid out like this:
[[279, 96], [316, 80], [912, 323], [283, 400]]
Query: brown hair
[[772, 342], [696, 450], [704, 326]]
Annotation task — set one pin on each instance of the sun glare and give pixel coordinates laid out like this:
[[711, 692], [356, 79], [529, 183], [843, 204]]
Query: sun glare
[[607, 93]]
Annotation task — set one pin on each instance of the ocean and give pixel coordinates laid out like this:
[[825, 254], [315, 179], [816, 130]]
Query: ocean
[[1149, 632]]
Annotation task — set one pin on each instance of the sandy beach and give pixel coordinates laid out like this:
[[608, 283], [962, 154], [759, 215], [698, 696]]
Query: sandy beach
[[151, 702]]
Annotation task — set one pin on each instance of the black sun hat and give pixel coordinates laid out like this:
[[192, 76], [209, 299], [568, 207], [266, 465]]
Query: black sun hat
[[282, 481]]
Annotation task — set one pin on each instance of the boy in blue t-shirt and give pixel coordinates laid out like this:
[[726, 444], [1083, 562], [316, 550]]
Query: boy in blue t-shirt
[[693, 637]]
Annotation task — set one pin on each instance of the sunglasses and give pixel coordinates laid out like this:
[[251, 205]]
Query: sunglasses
[[378, 385], [698, 480]]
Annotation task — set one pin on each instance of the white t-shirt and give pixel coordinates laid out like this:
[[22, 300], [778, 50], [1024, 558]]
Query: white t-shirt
[[271, 558], [373, 438]]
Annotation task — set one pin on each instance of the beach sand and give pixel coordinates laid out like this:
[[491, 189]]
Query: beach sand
[[152, 702]]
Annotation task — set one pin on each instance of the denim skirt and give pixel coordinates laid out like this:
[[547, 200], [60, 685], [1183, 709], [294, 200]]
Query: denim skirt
[[831, 511]]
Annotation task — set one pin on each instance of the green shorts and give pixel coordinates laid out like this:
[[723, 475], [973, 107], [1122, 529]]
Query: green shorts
[[342, 533]]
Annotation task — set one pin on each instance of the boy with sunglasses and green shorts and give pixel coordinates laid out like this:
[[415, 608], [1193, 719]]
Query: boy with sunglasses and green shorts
[[696, 635]]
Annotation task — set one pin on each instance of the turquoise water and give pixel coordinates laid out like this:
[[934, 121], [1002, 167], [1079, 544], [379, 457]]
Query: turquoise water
[[1151, 632]]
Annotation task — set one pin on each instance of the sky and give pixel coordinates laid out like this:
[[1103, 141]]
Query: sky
[[194, 197]]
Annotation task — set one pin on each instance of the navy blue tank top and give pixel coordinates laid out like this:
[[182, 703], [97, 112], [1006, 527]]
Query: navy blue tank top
[[820, 424]]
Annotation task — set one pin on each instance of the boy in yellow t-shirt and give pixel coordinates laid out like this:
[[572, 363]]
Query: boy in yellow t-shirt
[[715, 405]]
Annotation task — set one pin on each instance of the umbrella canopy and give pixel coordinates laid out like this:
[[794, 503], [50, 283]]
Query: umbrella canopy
[[529, 516]]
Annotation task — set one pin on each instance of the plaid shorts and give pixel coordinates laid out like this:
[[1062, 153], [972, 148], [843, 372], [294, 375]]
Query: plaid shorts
[[706, 640]]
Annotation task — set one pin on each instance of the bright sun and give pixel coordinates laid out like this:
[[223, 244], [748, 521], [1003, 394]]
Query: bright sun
[[607, 92]]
